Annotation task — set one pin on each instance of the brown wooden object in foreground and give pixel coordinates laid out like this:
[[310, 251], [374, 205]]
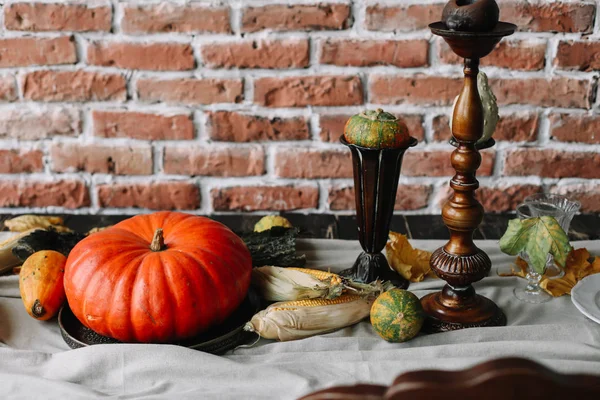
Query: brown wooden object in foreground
[[501, 379], [460, 262]]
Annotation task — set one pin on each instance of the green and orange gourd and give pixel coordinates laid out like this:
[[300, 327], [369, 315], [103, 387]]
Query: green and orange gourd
[[377, 130], [397, 315]]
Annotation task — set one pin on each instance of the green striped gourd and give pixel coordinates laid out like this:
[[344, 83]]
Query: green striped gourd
[[377, 130], [397, 315]]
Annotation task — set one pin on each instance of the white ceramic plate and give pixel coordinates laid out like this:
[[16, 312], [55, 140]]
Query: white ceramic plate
[[586, 297]]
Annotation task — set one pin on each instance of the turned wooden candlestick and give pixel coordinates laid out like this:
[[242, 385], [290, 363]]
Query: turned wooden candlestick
[[460, 262]]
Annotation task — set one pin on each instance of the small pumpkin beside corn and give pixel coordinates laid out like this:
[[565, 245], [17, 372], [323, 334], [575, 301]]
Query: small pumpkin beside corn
[[397, 315]]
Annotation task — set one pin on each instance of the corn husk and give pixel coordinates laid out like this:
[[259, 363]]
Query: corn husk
[[27, 222], [282, 284], [288, 284], [285, 321], [364, 289], [411, 263]]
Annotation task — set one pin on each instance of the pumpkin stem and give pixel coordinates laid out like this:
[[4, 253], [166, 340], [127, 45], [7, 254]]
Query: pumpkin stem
[[158, 241]]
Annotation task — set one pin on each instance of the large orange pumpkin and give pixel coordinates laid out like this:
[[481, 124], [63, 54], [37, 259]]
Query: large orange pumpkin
[[157, 278]]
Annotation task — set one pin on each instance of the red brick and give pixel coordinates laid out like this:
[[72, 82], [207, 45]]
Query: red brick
[[286, 53], [62, 193], [504, 198], [214, 161], [575, 128], [555, 92], [332, 126], [57, 17], [153, 56], [527, 55], [39, 123], [313, 163], [236, 127], [416, 89], [296, 17], [366, 53], [441, 128], [308, 91], [104, 159], [582, 56], [165, 17], [18, 161], [175, 195], [8, 88], [437, 163], [73, 86], [408, 197], [191, 91], [542, 16], [551, 163], [588, 194], [262, 198], [137, 125], [518, 127], [402, 18], [26, 51]]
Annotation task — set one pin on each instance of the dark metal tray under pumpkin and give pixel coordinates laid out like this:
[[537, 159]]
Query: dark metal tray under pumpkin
[[217, 340]]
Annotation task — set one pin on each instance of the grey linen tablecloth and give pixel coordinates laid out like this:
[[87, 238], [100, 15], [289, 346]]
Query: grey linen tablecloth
[[36, 363]]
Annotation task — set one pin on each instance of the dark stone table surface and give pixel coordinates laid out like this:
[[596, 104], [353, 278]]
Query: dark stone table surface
[[583, 227]]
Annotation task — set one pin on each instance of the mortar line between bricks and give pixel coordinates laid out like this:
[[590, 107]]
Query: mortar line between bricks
[[323, 186], [441, 70], [235, 17], [168, 108]]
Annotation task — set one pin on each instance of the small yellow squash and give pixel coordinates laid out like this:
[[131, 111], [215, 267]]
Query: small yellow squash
[[41, 283]]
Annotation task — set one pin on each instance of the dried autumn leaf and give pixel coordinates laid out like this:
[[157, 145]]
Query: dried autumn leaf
[[26, 222], [411, 263], [596, 266], [520, 270], [577, 267]]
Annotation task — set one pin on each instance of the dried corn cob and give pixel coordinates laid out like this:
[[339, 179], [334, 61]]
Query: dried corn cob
[[280, 284], [299, 319], [320, 275]]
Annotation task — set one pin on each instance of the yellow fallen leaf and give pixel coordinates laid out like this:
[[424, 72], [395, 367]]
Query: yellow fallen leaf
[[579, 265], [412, 264], [519, 269]]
